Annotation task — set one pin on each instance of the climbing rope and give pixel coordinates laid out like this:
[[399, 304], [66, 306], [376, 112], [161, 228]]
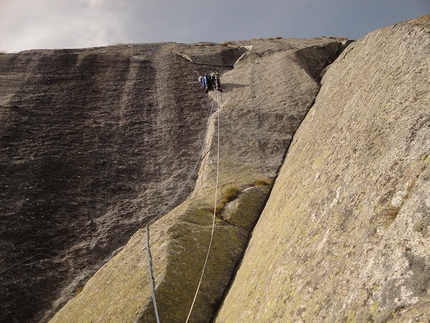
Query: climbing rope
[[213, 219], [151, 278], [148, 251]]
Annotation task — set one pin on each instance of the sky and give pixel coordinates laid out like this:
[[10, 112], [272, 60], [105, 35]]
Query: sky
[[48, 24]]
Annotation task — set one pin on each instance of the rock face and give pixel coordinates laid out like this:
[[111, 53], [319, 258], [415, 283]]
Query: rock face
[[345, 234], [97, 141], [93, 143], [253, 134]]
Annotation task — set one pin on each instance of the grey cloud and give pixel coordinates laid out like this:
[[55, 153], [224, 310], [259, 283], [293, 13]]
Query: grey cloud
[[84, 23]]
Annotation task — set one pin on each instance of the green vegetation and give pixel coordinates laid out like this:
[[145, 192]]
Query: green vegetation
[[350, 318], [230, 194], [261, 182], [233, 191], [390, 213], [79, 290]]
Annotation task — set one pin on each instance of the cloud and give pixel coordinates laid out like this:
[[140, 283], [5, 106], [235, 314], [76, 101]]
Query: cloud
[[59, 24], [31, 24]]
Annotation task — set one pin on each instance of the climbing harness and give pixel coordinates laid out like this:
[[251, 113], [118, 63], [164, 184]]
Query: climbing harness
[[148, 251], [213, 220]]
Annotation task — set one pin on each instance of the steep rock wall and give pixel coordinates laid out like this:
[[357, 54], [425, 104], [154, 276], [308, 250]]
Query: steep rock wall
[[345, 234], [266, 96], [94, 142]]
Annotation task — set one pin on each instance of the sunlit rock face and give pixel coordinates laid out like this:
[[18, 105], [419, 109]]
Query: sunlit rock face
[[323, 158], [266, 94], [344, 236]]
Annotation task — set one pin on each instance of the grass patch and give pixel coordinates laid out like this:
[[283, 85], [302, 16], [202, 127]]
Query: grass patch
[[262, 182], [229, 194], [389, 214], [79, 290], [232, 192]]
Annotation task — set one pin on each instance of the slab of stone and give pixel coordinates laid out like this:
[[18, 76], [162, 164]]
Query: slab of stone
[[344, 236]]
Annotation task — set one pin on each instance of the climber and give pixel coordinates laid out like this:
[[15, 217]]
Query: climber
[[216, 81], [206, 81], [210, 82], [202, 80]]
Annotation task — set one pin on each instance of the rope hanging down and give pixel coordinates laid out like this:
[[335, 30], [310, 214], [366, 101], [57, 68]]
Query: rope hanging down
[[213, 219], [148, 251]]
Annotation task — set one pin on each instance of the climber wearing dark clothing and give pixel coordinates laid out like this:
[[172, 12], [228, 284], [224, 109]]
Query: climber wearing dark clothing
[[210, 82]]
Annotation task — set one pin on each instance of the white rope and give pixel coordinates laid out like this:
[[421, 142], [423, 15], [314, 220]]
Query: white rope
[[148, 251], [213, 222], [151, 278]]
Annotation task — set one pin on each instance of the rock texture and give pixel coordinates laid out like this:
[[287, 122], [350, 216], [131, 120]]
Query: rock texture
[[94, 142], [253, 133], [344, 236]]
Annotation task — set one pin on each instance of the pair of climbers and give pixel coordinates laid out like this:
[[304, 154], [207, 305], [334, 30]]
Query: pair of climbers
[[210, 82]]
